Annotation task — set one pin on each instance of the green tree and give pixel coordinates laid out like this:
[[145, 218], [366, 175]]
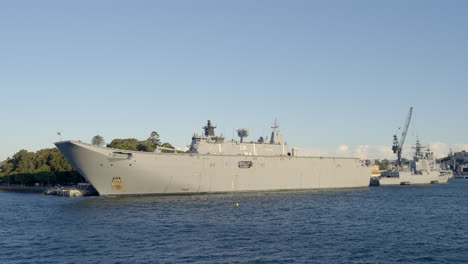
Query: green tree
[[45, 166], [41, 158], [154, 139], [44, 175], [127, 144], [145, 145], [7, 167], [167, 145], [24, 161], [57, 162], [384, 164], [98, 140]]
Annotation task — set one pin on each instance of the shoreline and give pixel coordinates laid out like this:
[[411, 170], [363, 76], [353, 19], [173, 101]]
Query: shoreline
[[27, 189]]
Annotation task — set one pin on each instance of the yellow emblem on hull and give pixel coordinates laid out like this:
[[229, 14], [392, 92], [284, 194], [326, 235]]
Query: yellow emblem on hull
[[117, 183]]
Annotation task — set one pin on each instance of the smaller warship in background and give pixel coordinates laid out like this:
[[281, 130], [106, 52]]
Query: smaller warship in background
[[422, 169], [213, 164]]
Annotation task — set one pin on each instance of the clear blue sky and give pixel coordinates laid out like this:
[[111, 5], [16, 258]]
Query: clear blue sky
[[332, 72]]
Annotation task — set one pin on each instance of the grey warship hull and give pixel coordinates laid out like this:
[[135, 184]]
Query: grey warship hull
[[120, 172], [406, 178], [422, 169]]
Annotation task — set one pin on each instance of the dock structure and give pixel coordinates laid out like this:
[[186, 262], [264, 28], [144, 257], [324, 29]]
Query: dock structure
[[82, 189]]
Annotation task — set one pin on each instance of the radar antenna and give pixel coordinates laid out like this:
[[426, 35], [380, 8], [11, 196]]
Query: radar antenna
[[418, 149], [209, 129], [275, 125], [242, 133], [398, 146]]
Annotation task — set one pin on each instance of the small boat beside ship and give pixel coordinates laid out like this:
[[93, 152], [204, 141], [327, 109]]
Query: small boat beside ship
[[80, 190]]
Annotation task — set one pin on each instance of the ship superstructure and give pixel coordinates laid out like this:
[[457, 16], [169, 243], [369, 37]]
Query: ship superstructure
[[209, 143]]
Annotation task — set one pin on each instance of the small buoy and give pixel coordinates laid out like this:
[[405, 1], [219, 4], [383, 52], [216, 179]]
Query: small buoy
[[237, 204]]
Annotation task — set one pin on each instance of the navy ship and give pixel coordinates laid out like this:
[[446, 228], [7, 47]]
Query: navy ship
[[422, 169], [212, 164]]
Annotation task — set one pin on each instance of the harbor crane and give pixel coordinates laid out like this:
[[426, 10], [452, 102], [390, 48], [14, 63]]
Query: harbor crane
[[398, 145]]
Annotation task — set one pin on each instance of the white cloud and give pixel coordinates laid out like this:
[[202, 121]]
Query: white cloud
[[343, 148], [372, 152], [361, 151], [443, 149], [439, 149], [182, 148], [384, 152], [379, 151]]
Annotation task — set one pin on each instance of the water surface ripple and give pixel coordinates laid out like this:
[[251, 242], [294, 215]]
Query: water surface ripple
[[400, 224]]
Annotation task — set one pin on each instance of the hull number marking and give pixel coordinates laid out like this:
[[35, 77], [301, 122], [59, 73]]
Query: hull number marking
[[245, 164]]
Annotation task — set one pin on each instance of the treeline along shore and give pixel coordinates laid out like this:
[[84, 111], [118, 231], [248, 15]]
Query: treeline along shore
[[48, 166]]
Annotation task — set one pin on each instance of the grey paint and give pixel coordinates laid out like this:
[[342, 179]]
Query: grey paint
[[423, 169], [212, 166]]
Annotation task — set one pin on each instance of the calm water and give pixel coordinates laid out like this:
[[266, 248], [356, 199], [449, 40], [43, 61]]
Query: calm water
[[407, 224]]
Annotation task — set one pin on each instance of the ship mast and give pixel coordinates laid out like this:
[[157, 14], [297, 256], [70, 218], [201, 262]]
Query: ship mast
[[398, 146], [418, 148], [209, 129]]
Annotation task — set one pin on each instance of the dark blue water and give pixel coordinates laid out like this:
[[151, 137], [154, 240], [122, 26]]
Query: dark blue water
[[401, 224]]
